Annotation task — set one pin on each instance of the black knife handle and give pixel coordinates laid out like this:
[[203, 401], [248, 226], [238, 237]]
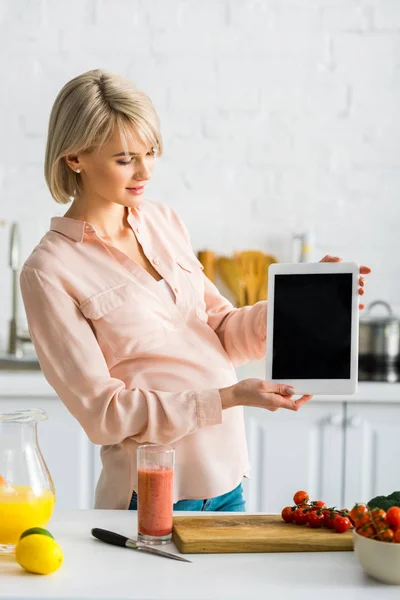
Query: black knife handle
[[109, 537]]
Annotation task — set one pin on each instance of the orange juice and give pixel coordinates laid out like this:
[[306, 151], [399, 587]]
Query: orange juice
[[20, 509]]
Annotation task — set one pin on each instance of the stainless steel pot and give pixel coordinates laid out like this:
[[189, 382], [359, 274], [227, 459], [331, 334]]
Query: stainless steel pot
[[380, 336], [379, 346]]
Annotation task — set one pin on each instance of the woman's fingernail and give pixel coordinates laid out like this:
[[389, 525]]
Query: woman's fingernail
[[289, 390]]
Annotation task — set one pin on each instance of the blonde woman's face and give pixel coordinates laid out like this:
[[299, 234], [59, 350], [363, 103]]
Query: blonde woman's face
[[108, 172]]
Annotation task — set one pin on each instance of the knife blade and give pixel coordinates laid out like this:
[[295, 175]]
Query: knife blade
[[110, 537]]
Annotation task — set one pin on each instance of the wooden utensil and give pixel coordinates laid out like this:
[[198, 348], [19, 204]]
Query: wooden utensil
[[229, 272], [251, 267], [207, 259], [269, 259], [253, 533]]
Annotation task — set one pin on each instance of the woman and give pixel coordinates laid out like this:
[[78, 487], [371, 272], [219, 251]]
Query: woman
[[135, 340]]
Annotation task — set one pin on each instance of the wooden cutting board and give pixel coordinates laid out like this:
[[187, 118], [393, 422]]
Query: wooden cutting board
[[253, 533]]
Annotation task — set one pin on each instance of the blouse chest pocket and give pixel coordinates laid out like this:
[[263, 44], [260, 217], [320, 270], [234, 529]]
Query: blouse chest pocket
[[192, 272], [125, 321]]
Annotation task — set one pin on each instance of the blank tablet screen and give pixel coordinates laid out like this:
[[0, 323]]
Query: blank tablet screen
[[312, 326]]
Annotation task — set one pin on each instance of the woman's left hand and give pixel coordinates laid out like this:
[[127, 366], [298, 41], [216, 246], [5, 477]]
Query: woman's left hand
[[362, 280]]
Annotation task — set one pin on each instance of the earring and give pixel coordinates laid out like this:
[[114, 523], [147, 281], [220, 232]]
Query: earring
[[77, 170]]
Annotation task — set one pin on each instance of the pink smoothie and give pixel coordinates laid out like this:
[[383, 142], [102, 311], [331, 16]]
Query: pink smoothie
[[155, 497]]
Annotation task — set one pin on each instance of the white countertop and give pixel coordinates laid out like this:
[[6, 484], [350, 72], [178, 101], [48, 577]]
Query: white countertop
[[33, 384], [94, 570]]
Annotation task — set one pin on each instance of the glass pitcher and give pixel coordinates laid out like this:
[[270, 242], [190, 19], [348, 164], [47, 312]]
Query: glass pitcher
[[27, 494]]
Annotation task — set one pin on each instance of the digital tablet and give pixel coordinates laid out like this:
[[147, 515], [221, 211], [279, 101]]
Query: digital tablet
[[312, 327]]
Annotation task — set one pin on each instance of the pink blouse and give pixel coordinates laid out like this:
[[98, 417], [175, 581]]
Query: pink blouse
[[134, 366]]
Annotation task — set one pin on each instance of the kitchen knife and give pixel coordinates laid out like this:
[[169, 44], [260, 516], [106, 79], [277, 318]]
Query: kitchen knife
[[109, 537]]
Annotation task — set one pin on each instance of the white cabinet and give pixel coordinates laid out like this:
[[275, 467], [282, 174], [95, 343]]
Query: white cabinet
[[340, 452], [292, 451], [97, 466], [66, 449], [372, 443]]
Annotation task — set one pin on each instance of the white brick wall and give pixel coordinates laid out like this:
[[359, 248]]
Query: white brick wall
[[278, 115]]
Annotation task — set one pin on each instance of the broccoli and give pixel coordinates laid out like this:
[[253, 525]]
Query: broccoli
[[385, 502]]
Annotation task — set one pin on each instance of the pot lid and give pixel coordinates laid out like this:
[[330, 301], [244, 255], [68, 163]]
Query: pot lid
[[379, 319]]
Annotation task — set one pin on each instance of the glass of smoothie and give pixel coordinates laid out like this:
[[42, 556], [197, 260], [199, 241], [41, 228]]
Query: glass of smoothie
[[155, 493]]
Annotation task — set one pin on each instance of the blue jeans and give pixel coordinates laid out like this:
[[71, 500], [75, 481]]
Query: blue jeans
[[229, 502]]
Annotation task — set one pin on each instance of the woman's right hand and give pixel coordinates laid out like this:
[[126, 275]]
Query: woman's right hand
[[261, 394]]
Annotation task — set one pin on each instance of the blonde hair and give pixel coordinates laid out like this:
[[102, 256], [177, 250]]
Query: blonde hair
[[84, 115]]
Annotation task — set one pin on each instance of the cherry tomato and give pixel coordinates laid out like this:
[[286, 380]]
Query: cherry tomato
[[345, 513], [378, 518], [368, 531], [328, 520], [316, 519], [288, 514], [381, 528], [378, 514], [386, 535], [361, 516], [301, 516], [393, 517], [357, 513], [300, 497], [341, 524], [397, 536], [317, 504], [330, 516]]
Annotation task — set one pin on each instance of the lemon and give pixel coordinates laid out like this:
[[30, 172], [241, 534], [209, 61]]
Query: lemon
[[38, 530], [39, 553]]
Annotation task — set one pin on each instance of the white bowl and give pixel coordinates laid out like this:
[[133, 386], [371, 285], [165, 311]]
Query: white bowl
[[379, 559]]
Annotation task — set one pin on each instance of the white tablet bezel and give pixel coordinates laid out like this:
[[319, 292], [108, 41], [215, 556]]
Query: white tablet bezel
[[316, 386]]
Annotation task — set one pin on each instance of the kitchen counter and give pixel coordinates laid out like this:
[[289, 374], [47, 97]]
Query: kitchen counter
[[93, 570], [368, 391], [33, 384]]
